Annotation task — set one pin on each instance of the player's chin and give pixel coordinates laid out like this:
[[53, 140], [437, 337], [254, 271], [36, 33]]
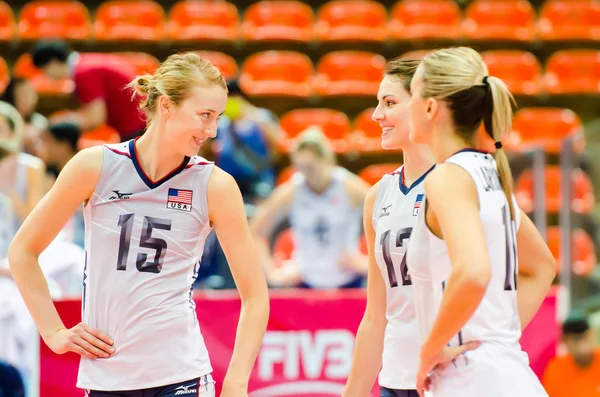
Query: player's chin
[[389, 144]]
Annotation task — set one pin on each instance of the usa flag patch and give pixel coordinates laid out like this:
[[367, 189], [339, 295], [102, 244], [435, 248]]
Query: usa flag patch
[[180, 199], [418, 202]]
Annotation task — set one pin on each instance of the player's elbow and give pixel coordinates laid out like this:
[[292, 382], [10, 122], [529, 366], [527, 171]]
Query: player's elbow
[[18, 252], [475, 275]]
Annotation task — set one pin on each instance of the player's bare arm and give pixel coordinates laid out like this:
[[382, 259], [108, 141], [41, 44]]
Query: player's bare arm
[[369, 338], [453, 214], [267, 216], [74, 186], [227, 214], [537, 269]]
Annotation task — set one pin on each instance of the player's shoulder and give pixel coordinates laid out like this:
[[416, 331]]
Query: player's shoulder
[[447, 176]]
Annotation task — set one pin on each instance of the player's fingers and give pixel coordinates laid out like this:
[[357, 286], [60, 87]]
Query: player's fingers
[[97, 343], [470, 346], [98, 334], [81, 351], [87, 346]]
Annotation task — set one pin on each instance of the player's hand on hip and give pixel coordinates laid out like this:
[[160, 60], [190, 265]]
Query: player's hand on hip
[[83, 340], [439, 361]]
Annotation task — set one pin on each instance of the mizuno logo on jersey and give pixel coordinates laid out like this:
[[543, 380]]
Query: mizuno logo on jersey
[[180, 199], [418, 203], [384, 211], [120, 196], [181, 390]]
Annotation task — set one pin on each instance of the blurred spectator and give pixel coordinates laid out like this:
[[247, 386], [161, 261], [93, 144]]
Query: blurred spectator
[[21, 176], [22, 95], [59, 145], [11, 384], [577, 374], [246, 142], [100, 81], [324, 203]]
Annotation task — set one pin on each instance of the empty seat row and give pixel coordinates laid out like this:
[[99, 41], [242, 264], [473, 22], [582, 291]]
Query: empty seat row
[[339, 73], [543, 127], [291, 20]]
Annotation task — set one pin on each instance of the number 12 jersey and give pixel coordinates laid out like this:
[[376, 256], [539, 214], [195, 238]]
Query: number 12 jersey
[[144, 240], [394, 215]]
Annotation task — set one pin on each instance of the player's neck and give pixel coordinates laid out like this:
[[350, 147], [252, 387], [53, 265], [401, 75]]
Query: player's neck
[[417, 161], [152, 156], [444, 144]]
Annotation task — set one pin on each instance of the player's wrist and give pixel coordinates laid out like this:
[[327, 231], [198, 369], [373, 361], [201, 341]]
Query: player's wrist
[[48, 333]]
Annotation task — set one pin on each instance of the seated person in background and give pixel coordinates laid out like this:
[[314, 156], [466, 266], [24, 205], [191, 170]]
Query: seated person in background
[[22, 95], [21, 176], [100, 81], [247, 139], [576, 374], [324, 203], [11, 384], [59, 145]]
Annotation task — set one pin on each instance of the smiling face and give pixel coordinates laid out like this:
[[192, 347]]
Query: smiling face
[[392, 113], [195, 119]]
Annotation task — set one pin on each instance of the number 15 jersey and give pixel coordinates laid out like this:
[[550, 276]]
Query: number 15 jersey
[[394, 215], [144, 240]]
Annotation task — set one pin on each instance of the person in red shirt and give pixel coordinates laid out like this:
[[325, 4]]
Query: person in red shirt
[[576, 374], [100, 81]]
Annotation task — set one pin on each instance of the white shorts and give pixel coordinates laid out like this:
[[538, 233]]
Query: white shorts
[[490, 371]]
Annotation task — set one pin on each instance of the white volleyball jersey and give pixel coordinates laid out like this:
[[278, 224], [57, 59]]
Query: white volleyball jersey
[[144, 241], [394, 216], [326, 227], [499, 366]]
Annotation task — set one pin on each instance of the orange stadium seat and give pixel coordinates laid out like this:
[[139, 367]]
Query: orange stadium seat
[[54, 19], [277, 73], [141, 61], [352, 20], [285, 174], [334, 123], [141, 20], [568, 20], [98, 136], [502, 20], [367, 133], [8, 25], [548, 127], [283, 247], [425, 20], [374, 172], [278, 21], [225, 63], [573, 72], [582, 194], [203, 20], [520, 70], [583, 253], [349, 73], [4, 74], [24, 68]]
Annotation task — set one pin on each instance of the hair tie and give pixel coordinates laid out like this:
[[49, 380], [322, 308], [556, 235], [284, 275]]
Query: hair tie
[[485, 80], [498, 145]]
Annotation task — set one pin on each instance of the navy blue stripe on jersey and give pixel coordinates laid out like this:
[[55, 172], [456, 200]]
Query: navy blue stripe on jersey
[[472, 150], [404, 189], [117, 151], [149, 182]]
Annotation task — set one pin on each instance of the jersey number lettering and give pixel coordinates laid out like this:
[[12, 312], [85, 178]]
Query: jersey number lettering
[[401, 235], [510, 280], [146, 241]]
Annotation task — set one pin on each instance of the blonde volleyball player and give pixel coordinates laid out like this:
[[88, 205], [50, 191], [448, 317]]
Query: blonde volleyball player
[[149, 205], [323, 203], [463, 256], [387, 338]]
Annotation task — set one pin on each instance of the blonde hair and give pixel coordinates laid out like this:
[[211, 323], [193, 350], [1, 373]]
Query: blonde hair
[[15, 142], [402, 70], [174, 77], [314, 139], [460, 78]]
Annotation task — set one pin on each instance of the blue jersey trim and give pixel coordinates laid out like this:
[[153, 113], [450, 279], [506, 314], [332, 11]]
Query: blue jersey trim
[[404, 189], [149, 182]]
